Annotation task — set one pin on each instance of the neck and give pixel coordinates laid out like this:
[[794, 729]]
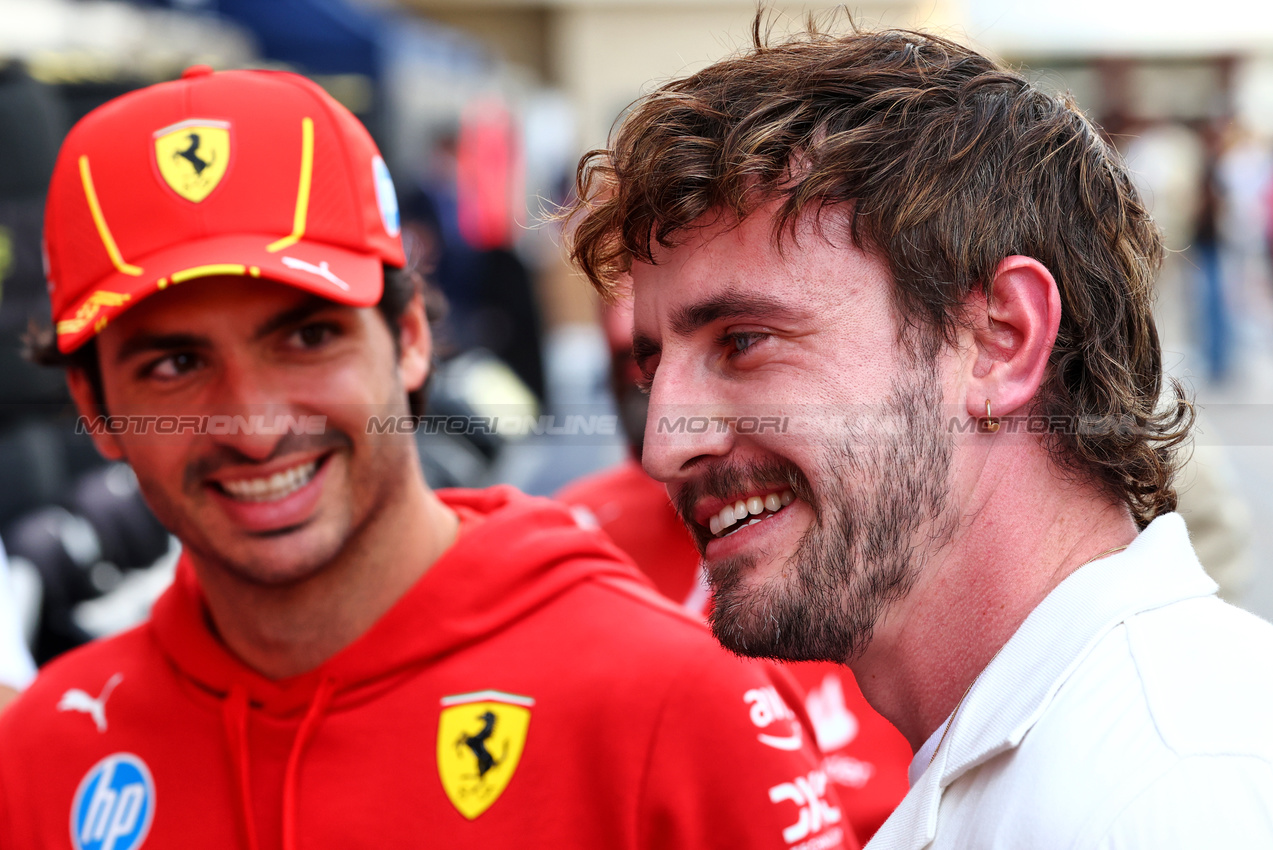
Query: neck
[[285, 630], [1017, 547]]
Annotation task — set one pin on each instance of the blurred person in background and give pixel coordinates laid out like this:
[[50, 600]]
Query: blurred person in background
[[918, 259], [862, 753], [29, 125], [345, 657], [460, 219], [16, 668], [1215, 328], [1168, 161]]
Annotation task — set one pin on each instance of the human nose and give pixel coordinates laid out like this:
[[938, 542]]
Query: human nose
[[686, 424], [252, 411]]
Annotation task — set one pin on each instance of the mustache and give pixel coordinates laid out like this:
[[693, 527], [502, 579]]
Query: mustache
[[221, 456], [725, 479]]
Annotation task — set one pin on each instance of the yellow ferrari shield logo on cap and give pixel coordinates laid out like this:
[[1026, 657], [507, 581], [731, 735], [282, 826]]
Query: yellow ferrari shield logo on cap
[[192, 156], [480, 741]]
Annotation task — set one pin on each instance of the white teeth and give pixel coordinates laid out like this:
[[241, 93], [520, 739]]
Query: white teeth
[[753, 509], [271, 489]]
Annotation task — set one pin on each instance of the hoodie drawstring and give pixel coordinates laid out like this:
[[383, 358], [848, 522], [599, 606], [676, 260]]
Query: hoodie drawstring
[[234, 713], [322, 698]]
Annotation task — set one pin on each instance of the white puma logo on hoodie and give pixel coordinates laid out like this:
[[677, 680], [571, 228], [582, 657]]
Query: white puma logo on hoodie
[[77, 700]]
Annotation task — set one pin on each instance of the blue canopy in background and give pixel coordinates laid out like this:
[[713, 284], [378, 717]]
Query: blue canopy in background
[[317, 36]]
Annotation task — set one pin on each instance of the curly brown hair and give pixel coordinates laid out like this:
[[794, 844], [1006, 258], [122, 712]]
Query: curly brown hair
[[946, 163]]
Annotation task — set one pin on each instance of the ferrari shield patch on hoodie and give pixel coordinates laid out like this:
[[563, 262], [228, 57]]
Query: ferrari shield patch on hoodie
[[480, 741]]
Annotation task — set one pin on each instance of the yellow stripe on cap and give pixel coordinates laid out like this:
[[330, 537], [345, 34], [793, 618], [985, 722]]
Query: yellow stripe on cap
[[302, 191], [104, 232], [89, 310], [207, 271]]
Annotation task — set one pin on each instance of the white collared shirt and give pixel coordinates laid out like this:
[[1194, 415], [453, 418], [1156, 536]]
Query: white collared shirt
[[1131, 709]]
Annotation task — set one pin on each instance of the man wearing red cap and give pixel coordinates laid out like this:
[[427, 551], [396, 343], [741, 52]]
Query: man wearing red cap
[[346, 658]]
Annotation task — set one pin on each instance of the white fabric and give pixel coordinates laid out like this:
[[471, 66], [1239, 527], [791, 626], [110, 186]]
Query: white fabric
[[924, 755], [1132, 709], [16, 668]]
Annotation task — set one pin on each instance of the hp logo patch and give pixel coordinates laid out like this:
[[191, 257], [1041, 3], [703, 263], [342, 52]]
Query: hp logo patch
[[114, 805]]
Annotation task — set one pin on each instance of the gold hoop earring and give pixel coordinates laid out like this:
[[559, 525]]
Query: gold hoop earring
[[992, 424]]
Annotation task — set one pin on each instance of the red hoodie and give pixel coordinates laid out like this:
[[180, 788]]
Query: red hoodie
[[865, 756], [530, 690]]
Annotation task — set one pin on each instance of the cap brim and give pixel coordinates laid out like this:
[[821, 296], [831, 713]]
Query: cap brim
[[335, 273]]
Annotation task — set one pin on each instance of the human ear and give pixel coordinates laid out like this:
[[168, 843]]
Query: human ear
[[1013, 338], [415, 345], [89, 406]]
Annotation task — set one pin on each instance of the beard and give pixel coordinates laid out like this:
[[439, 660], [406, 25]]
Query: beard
[[883, 512]]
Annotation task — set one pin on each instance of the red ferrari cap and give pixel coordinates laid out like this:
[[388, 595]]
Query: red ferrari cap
[[256, 173]]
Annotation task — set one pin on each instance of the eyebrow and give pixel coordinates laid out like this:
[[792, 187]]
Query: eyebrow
[[307, 308], [693, 317], [144, 342]]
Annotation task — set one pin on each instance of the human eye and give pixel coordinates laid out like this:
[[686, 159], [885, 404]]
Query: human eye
[[645, 373], [645, 357], [172, 366], [738, 343], [313, 335]]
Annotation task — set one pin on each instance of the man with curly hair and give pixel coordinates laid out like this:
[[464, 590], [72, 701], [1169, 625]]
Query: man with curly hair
[[893, 310]]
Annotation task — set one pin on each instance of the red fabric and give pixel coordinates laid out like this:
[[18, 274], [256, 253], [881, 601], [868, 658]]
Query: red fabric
[[865, 756], [641, 733], [159, 234], [633, 510]]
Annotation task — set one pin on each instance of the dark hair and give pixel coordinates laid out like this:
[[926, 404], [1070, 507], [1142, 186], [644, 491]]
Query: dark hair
[[401, 285], [943, 163]]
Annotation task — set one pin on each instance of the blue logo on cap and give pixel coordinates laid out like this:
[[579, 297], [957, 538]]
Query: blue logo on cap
[[114, 805], [386, 197]]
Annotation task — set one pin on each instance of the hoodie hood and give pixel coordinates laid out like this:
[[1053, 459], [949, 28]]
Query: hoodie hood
[[514, 554]]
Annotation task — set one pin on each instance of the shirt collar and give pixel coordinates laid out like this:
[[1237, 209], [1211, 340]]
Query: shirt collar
[[1015, 689], [924, 755]]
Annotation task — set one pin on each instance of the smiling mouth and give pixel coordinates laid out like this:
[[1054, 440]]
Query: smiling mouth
[[747, 512], [271, 488]]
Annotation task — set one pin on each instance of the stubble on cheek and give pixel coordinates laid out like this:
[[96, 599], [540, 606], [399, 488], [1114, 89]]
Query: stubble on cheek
[[191, 513], [864, 551]]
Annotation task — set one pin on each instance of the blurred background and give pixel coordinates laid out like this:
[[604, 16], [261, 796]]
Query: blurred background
[[482, 109]]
